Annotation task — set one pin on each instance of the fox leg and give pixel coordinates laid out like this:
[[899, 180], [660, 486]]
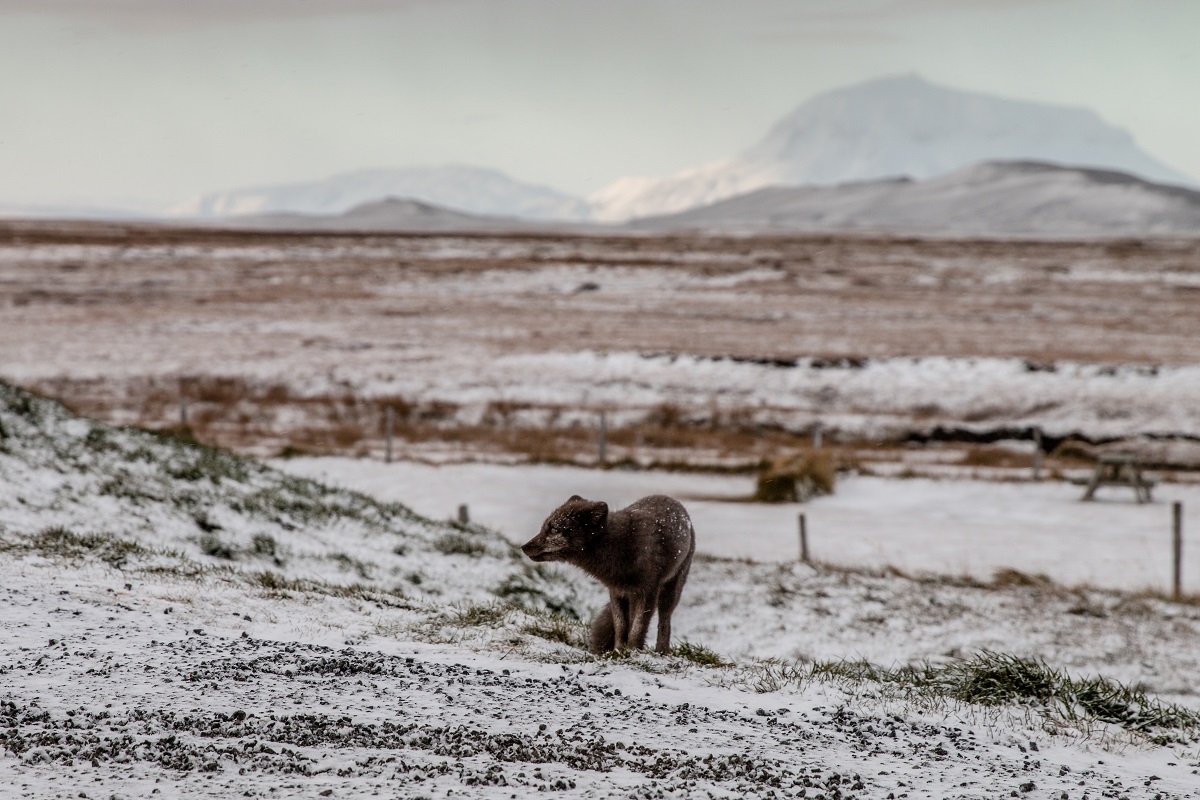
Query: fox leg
[[668, 598], [640, 612], [620, 614]]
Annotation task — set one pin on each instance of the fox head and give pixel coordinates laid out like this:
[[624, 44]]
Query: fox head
[[568, 531]]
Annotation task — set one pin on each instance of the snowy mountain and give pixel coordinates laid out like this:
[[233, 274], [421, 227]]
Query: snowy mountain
[[892, 127], [472, 190], [391, 214], [992, 199]]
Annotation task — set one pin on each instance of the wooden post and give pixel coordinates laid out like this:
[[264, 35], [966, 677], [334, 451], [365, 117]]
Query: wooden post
[[816, 436], [803, 539], [602, 437], [183, 412], [463, 516], [1037, 454], [1177, 547], [389, 415]]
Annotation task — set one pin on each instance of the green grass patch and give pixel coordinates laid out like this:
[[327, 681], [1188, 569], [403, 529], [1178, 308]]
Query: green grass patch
[[555, 628], [997, 680], [59, 542], [698, 654]]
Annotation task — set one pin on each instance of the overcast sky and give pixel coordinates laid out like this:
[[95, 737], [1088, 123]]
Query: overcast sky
[[152, 101]]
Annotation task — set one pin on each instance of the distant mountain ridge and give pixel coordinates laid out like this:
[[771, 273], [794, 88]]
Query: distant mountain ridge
[[994, 199], [899, 126], [1002, 199], [393, 214], [467, 189], [846, 140]]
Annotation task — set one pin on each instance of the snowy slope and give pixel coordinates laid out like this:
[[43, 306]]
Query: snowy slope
[[134, 663], [991, 199], [890, 127], [473, 190], [171, 504]]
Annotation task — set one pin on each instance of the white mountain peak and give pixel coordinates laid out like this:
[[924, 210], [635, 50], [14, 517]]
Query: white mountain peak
[[893, 126], [474, 190]]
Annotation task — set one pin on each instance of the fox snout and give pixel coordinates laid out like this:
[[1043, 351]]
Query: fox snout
[[546, 546], [539, 548], [534, 552]]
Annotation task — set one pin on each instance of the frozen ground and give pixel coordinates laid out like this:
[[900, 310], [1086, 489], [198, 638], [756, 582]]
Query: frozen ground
[[234, 693], [946, 527], [872, 337], [180, 622]]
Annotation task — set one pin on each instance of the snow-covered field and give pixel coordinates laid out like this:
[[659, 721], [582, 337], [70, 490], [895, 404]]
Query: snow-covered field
[[871, 337], [178, 621], [946, 527]]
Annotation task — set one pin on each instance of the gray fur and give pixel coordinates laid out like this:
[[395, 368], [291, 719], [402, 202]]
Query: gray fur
[[641, 554]]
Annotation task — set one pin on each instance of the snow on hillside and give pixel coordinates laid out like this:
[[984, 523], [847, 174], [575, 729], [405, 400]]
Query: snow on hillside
[[473, 190], [149, 646], [177, 504], [887, 128], [866, 398], [992, 199]]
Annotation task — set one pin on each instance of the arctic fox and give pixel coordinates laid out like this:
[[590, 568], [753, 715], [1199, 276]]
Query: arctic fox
[[641, 554]]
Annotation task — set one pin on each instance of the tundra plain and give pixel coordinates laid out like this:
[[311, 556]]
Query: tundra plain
[[179, 616], [716, 348]]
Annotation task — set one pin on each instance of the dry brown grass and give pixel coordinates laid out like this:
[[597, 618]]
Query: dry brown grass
[[797, 479], [992, 456]]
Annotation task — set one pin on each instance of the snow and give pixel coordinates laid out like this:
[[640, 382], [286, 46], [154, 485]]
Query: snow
[[947, 527], [874, 397], [993, 199], [475, 190], [178, 673], [888, 128]]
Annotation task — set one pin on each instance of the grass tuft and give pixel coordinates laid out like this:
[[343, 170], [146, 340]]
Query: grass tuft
[[997, 680], [797, 479], [477, 615], [264, 545], [213, 545], [698, 654], [460, 544], [59, 542], [555, 628]]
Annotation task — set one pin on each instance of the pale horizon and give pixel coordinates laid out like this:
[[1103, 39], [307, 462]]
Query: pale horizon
[[130, 104]]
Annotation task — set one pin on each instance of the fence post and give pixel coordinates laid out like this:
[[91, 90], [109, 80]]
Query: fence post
[[803, 539], [1037, 454], [463, 516], [183, 412], [602, 437], [388, 434], [1177, 547], [816, 437]]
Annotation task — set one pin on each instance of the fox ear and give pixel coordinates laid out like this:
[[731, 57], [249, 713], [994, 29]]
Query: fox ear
[[599, 512], [574, 497]]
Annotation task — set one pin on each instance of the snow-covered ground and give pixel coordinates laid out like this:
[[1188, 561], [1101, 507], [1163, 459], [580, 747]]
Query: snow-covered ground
[[875, 398], [178, 621], [946, 527]]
